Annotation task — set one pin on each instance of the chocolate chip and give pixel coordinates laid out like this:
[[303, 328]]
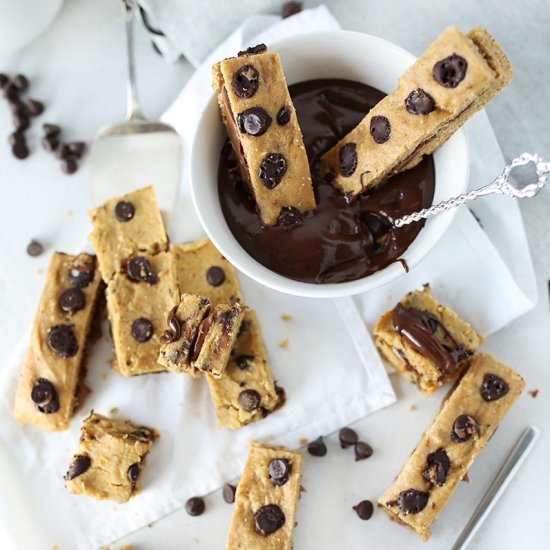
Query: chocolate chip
[[362, 451], [412, 501], [347, 437], [79, 465], [249, 400], [11, 93], [72, 300], [364, 509], [289, 216], [195, 506], [465, 427], [34, 248], [16, 137], [493, 387], [348, 159], [18, 108], [62, 152], [142, 330], [20, 150], [245, 81], [450, 72], [291, 8], [69, 166], [283, 116], [228, 493], [124, 211], [244, 362], [317, 447], [62, 341], [81, 275], [51, 129], [380, 129], [260, 48], [76, 148], [215, 275], [419, 102], [3, 80], [133, 474], [34, 107], [254, 121], [278, 471], [49, 143], [173, 332], [21, 82], [139, 269], [268, 519], [21, 122], [272, 169], [437, 468], [44, 396]]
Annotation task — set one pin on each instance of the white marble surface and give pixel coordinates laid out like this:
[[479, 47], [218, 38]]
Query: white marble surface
[[77, 68]]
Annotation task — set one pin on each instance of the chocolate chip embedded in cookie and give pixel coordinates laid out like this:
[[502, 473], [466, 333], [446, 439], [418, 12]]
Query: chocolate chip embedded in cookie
[[249, 400], [254, 121], [79, 465], [278, 470], [450, 72], [82, 272], [437, 468], [412, 501], [244, 362], [419, 102], [253, 50], [289, 216], [142, 330], [44, 396], [465, 427], [246, 81], [268, 519], [283, 116], [72, 300], [133, 474], [272, 169], [139, 269], [493, 387], [62, 340], [215, 275], [124, 211], [348, 159], [380, 129]]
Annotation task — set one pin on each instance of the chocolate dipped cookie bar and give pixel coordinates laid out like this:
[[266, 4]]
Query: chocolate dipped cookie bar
[[424, 341], [455, 77], [48, 388], [261, 123]]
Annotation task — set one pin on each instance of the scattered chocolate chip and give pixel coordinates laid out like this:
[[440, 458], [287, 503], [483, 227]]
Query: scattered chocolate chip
[[11, 92], [272, 169], [44, 396], [268, 519], [419, 102], [51, 129], [195, 506], [493, 387], [291, 8], [249, 400], [80, 276], [69, 166], [76, 148], [244, 362], [362, 450], [450, 72], [124, 211], [260, 48], [72, 300], [380, 129], [317, 447], [245, 81], [364, 509], [139, 269], [4, 80], [79, 465], [20, 149], [412, 501], [34, 248], [254, 121], [347, 437], [465, 427], [49, 143], [18, 108], [173, 332], [278, 471], [133, 474], [215, 275], [289, 216], [142, 330], [21, 82], [62, 152], [35, 107], [348, 159], [21, 122], [437, 467], [283, 116], [62, 341], [228, 493], [16, 137]]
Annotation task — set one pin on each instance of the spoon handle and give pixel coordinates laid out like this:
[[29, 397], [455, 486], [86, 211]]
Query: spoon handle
[[133, 110]]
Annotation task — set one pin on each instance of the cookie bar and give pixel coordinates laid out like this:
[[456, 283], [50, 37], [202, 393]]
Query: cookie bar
[[125, 226], [455, 77], [266, 500], [137, 301], [261, 123], [110, 456], [48, 388], [424, 341]]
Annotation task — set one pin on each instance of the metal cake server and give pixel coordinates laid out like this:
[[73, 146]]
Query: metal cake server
[[137, 152]]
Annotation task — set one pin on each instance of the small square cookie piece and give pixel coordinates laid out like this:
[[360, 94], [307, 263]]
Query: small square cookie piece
[[125, 226], [48, 388], [266, 500], [424, 341], [109, 458], [468, 418], [262, 126]]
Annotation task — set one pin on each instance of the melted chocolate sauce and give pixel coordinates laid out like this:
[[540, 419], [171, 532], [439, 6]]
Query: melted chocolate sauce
[[339, 240]]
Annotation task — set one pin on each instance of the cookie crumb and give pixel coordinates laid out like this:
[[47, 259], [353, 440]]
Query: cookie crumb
[[284, 344], [286, 317], [466, 478], [302, 441], [113, 410], [412, 408], [533, 393]]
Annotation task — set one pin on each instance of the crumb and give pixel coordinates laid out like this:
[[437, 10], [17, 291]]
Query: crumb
[[302, 489], [412, 408], [302, 440], [466, 478], [39, 271], [284, 344], [113, 410], [286, 317], [150, 525], [533, 393]]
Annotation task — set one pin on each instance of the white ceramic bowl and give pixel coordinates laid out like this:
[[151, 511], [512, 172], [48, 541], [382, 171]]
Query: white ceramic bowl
[[327, 54]]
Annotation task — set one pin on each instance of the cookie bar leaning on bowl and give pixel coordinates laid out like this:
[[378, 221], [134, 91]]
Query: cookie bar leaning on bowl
[[424, 341], [261, 123], [455, 77], [48, 389], [468, 418]]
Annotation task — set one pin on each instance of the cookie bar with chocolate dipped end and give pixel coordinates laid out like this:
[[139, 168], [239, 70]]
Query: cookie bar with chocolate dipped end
[[126, 226], [109, 459], [138, 298], [266, 500], [466, 421], [424, 341], [261, 123], [455, 77], [48, 388]]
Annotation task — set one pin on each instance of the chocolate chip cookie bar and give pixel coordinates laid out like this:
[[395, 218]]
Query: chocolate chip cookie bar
[[468, 418], [110, 456], [455, 77], [138, 298], [261, 123], [48, 388], [126, 226], [266, 500], [424, 341]]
